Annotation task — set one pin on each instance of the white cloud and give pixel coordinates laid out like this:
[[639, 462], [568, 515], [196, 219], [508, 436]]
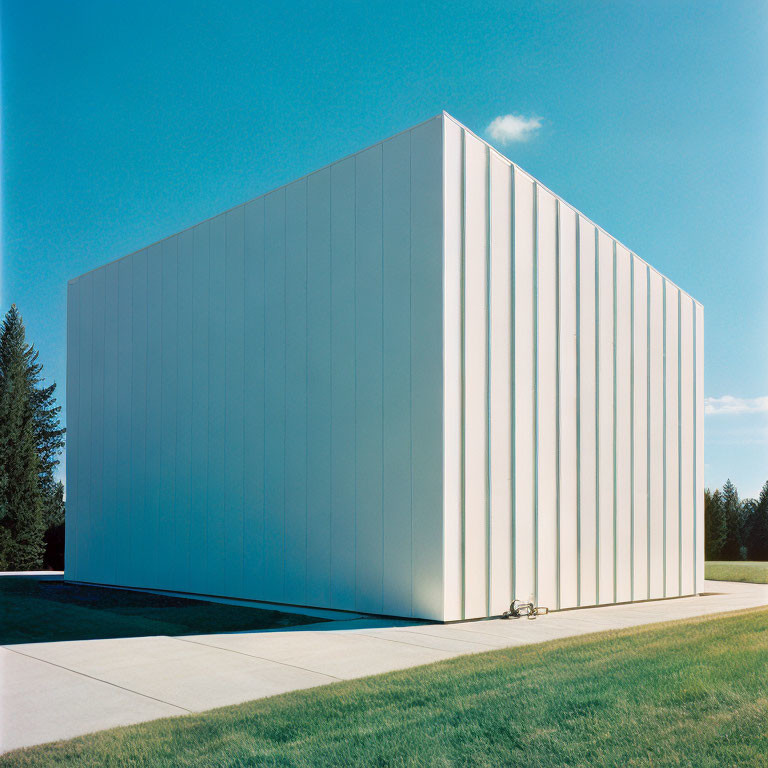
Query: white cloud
[[508, 128], [731, 404]]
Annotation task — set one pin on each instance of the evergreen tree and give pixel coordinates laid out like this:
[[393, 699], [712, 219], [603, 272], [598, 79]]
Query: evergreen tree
[[21, 498], [714, 525], [49, 438], [758, 541], [748, 518], [732, 513]]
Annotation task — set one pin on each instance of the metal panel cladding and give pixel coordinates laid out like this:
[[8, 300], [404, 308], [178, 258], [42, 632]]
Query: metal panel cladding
[[573, 397], [415, 382], [253, 408]]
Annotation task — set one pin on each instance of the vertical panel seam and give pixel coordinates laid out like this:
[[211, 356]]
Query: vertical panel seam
[[488, 354], [104, 405], [695, 409], [632, 427], [306, 385], [176, 413], [286, 436], [615, 435], [242, 454], [648, 422], [98, 494], [91, 283], [146, 393], [463, 214], [354, 368], [225, 346], [679, 448], [512, 380], [410, 337], [597, 416], [354, 357], [264, 399], [105, 402], [577, 268], [558, 433], [664, 428], [330, 388], [76, 424], [381, 410], [76, 465], [535, 436], [116, 422]]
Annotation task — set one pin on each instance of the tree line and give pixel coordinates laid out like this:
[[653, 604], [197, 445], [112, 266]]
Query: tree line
[[31, 440], [735, 529]]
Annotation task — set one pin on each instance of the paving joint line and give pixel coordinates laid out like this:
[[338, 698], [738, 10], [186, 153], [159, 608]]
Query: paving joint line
[[98, 679], [459, 627], [253, 656], [503, 636], [457, 640], [427, 647]]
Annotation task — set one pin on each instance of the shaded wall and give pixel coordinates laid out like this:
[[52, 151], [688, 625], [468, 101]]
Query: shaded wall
[[252, 406]]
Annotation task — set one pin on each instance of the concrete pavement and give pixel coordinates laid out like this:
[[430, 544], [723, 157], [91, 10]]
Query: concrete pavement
[[51, 691]]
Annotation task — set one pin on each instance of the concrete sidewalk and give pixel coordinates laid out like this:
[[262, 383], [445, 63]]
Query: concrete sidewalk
[[51, 691]]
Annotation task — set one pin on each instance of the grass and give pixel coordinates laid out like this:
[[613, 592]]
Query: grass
[[37, 610], [736, 570], [690, 693]]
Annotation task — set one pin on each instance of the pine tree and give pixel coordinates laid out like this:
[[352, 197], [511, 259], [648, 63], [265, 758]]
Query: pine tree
[[49, 435], [758, 543], [714, 525], [49, 441], [748, 520], [21, 498], [733, 515]]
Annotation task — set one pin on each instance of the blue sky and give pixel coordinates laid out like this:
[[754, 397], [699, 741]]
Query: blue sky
[[125, 122]]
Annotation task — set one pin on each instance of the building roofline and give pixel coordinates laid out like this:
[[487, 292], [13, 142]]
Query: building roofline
[[569, 205], [442, 115], [257, 197]]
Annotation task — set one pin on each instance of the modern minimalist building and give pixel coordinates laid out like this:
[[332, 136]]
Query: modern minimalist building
[[415, 382]]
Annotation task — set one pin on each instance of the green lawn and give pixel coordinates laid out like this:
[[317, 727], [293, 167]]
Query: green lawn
[[34, 610], [737, 570], [691, 693]]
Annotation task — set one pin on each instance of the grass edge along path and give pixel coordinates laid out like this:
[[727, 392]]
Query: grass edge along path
[[685, 693], [749, 571]]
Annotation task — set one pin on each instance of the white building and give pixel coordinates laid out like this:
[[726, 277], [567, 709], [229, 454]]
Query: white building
[[415, 382]]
